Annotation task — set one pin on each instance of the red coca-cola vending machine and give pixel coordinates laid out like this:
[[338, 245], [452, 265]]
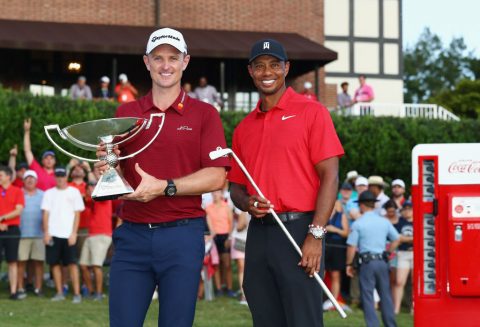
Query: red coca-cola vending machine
[[446, 204]]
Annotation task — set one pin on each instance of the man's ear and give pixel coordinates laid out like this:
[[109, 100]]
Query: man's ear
[[145, 61]]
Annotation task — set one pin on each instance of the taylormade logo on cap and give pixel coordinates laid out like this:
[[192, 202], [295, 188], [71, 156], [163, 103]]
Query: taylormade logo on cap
[[166, 36]]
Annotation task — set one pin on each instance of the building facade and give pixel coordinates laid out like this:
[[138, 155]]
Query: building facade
[[367, 35]]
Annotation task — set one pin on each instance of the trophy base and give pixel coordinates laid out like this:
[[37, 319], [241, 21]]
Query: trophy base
[[111, 186]]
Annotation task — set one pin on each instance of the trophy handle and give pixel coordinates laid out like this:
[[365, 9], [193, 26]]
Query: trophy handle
[[160, 126], [56, 127]]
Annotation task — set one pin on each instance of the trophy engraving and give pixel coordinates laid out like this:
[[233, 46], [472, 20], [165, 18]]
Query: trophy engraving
[[112, 132]]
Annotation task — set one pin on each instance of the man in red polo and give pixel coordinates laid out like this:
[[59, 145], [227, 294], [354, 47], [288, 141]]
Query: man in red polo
[[46, 177], [12, 202], [289, 145], [161, 241]]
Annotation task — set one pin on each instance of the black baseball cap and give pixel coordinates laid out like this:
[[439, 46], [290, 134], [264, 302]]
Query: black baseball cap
[[268, 47], [22, 165], [346, 186], [60, 172]]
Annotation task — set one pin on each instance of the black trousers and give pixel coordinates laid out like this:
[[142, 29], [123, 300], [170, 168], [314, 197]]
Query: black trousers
[[278, 291]]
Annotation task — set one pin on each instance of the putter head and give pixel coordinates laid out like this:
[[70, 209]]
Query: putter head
[[219, 153]]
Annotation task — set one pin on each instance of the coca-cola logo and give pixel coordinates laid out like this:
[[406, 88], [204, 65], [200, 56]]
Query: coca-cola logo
[[464, 167]]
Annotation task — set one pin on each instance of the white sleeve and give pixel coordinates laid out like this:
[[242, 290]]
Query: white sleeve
[[78, 204], [46, 203]]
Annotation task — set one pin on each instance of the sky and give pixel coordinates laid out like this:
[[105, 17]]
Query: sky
[[446, 18]]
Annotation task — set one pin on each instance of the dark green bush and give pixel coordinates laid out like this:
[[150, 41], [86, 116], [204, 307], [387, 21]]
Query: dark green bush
[[380, 146]]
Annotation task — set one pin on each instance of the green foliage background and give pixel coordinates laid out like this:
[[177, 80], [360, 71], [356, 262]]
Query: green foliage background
[[380, 146]]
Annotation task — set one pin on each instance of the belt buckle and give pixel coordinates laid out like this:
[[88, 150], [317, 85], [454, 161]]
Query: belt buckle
[[151, 226]]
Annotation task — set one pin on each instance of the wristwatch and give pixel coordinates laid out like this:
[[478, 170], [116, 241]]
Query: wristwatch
[[171, 189], [317, 231]]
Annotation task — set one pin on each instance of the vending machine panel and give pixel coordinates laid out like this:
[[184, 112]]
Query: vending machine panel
[[464, 249]]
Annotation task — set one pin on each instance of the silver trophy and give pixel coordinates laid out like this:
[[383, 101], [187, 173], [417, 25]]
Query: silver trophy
[[112, 132]]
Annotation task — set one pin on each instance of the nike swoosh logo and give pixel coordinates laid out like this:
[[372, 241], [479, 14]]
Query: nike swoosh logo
[[287, 117]]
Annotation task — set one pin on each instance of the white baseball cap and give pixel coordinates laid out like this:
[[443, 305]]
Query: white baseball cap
[[123, 77], [351, 174], [30, 173], [166, 36], [105, 79], [398, 182], [361, 181]]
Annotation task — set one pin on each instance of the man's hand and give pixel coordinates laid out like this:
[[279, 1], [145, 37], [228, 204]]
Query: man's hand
[[27, 124], [350, 271], [14, 151], [148, 189], [258, 207], [101, 153], [47, 238], [3, 227], [312, 255], [72, 239]]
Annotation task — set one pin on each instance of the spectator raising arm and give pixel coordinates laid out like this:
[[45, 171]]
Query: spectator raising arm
[[27, 146]]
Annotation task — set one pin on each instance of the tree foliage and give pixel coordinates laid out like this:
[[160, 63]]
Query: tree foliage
[[430, 67], [373, 145], [464, 99]]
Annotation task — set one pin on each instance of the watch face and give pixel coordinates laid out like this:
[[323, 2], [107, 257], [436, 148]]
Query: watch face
[[171, 191]]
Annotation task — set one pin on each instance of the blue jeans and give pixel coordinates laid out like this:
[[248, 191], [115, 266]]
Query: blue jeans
[[168, 257]]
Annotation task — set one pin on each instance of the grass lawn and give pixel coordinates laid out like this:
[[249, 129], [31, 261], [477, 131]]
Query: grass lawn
[[222, 312]]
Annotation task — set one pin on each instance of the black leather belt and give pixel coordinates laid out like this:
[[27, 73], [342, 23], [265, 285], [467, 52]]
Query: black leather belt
[[367, 257], [175, 223], [285, 217]]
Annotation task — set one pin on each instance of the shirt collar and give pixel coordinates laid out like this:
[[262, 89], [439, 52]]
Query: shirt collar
[[178, 105], [282, 103]]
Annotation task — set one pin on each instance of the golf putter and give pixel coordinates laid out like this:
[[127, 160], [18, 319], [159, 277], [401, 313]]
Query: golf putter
[[226, 151]]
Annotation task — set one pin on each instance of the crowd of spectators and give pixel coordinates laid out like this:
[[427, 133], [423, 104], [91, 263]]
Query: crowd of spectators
[[397, 209], [47, 218]]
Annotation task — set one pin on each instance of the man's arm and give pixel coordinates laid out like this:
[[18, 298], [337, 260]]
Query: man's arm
[[27, 146], [12, 214], [12, 161], [327, 171], [351, 250], [73, 237], [205, 180], [46, 234]]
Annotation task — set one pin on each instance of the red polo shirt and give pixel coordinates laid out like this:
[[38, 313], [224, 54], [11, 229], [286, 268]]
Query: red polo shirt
[[192, 129], [101, 219], [86, 214], [45, 180], [9, 199], [280, 148]]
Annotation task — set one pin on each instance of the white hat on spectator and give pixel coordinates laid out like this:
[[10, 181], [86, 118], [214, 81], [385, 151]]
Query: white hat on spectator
[[376, 180], [398, 182], [123, 77], [351, 175], [30, 173], [361, 181], [105, 79]]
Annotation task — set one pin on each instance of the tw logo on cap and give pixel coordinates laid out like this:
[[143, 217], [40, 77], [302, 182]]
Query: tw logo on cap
[[266, 45]]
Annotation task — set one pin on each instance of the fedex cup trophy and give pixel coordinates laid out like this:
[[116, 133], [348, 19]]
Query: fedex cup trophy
[[112, 132]]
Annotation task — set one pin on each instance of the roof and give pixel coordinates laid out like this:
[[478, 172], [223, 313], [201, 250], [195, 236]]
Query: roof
[[17, 34]]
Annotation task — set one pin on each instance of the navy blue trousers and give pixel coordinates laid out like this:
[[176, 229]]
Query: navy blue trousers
[[374, 274], [168, 257]]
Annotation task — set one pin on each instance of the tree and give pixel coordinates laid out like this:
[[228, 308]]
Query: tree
[[429, 68], [464, 100]]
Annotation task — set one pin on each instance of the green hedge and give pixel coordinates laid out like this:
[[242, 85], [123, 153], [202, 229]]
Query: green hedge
[[373, 145]]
